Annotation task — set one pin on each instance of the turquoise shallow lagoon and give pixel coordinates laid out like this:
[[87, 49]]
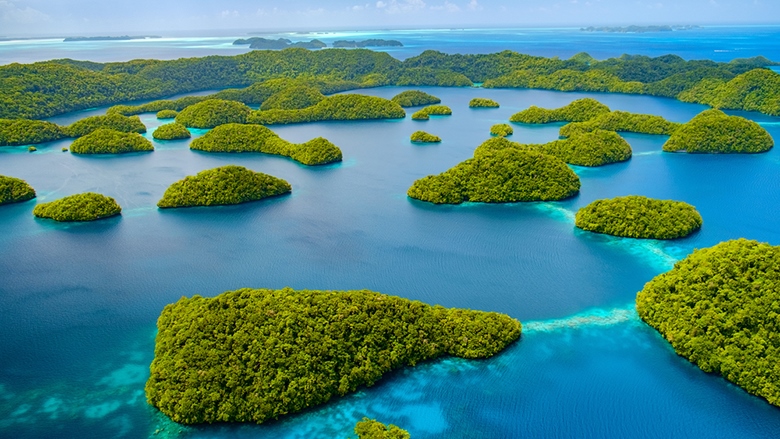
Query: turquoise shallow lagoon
[[80, 301]]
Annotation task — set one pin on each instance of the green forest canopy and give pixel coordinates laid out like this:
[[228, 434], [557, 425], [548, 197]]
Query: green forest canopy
[[501, 130], [213, 112], [108, 141], [171, 131], [712, 131], [261, 354], [576, 111], [338, 107], [88, 206], [14, 190], [719, 309], [415, 98], [483, 103], [222, 186], [373, 429], [636, 216], [423, 137]]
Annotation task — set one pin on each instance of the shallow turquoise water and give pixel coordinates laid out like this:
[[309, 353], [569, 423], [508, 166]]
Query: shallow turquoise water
[[80, 300]]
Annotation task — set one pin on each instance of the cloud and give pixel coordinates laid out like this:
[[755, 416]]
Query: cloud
[[14, 15], [447, 6], [380, 4], [229, 14], [474, 5], [395, 6]]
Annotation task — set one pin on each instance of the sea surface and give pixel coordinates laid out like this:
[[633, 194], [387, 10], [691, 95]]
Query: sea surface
[[79, 301]]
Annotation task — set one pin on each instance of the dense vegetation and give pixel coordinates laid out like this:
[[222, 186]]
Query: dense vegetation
[[47, 88], [88, 206], [14, 190], [257, 138], [171, 131], [719, 309], [415, 98], [500, 176], [483, 103], [221, 186], [293, 98], [577, 111], [501, 130], [116, 122], [339, 107], [432, 110], [213, 112], [261, 354], [106, 141], [639, 217], [167, 114], [373, 429], [15, 132], [595, 148], [423, 137], [624, 122], [713, 131]]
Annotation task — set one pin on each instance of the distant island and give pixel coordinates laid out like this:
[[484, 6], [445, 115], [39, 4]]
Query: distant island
[[106, 38], [278, 44], [638, 29], [367, 43]]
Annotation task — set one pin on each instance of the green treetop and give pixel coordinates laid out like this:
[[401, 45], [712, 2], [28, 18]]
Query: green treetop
[[213, 112], [639, 217], [88, 206], [107, 141], [713, 131], [14, 190]]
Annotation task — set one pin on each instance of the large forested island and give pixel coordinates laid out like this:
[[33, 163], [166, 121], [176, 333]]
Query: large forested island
[[14, 190], [108, 141], [88, 206], [577, 111], [236, 137], [636, 216], [25, 89], [213, 112], [502, 176], [338, 107], [261, 354], [222, 186], [719, 308], [713, 131]]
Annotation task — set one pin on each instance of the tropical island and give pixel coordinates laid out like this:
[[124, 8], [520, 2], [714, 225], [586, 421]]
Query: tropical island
[[423, 137], [432, 110], [373, 42], [638, 29], [88, 206], [257, 138], [502, 176], [223, 186], [577, 111], [116, 122], [713, 131], [483, 103], [108, 141], [278, 44], [338, 107], [15, 132], [213, 112], [636, 216], [167, 114], [718, 308], [373, 429], [14, 190], [624, 122], [171, 131], [293, 98], [501, 130], [238, 348], [415, 98]]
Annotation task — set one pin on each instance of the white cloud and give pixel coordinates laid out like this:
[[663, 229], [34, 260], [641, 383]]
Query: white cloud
[[447, 6], [402, 6], [380, 4], [15, 15], [229, 14], [474, 5]]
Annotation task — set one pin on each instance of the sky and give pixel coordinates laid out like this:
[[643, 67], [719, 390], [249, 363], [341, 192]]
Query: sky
[[111, 17]]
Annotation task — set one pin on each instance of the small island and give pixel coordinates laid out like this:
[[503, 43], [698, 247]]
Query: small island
[[171, 131], [14, 190], [213, 112], [432, 110], [238, 348], [106, 141], [423, 137], [167, 114], [338, 107], [718, 308], [88, 206], [639, 217], [577, 111], [15, 132], [278, 44], [415, 98], [236, 138], [367, 43], [624, 122], [293, 98], [713, 131], [501, 130], [483, 103], [223, 186], [502, 176], [373, 429], [116, 122]]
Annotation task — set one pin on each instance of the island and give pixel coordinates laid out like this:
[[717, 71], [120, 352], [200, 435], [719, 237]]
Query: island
[[293, 98], [415, 98], [338, 107], [577, 111], [596, 148], [636, 216], [278, 44], [213, 112], [638, 29], [167, 114], [88, 206], [223, 186], [116, 122], [713, 131], [483, 103], [257, 138], [373, 429], [107, 141], [718, 308], [367, 43], [14, 190], [15, 132], [502, 176], [501, 130], [624, 122], [238, 348], [431, 110], [423, 137], [107, 38], [171, 131]]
